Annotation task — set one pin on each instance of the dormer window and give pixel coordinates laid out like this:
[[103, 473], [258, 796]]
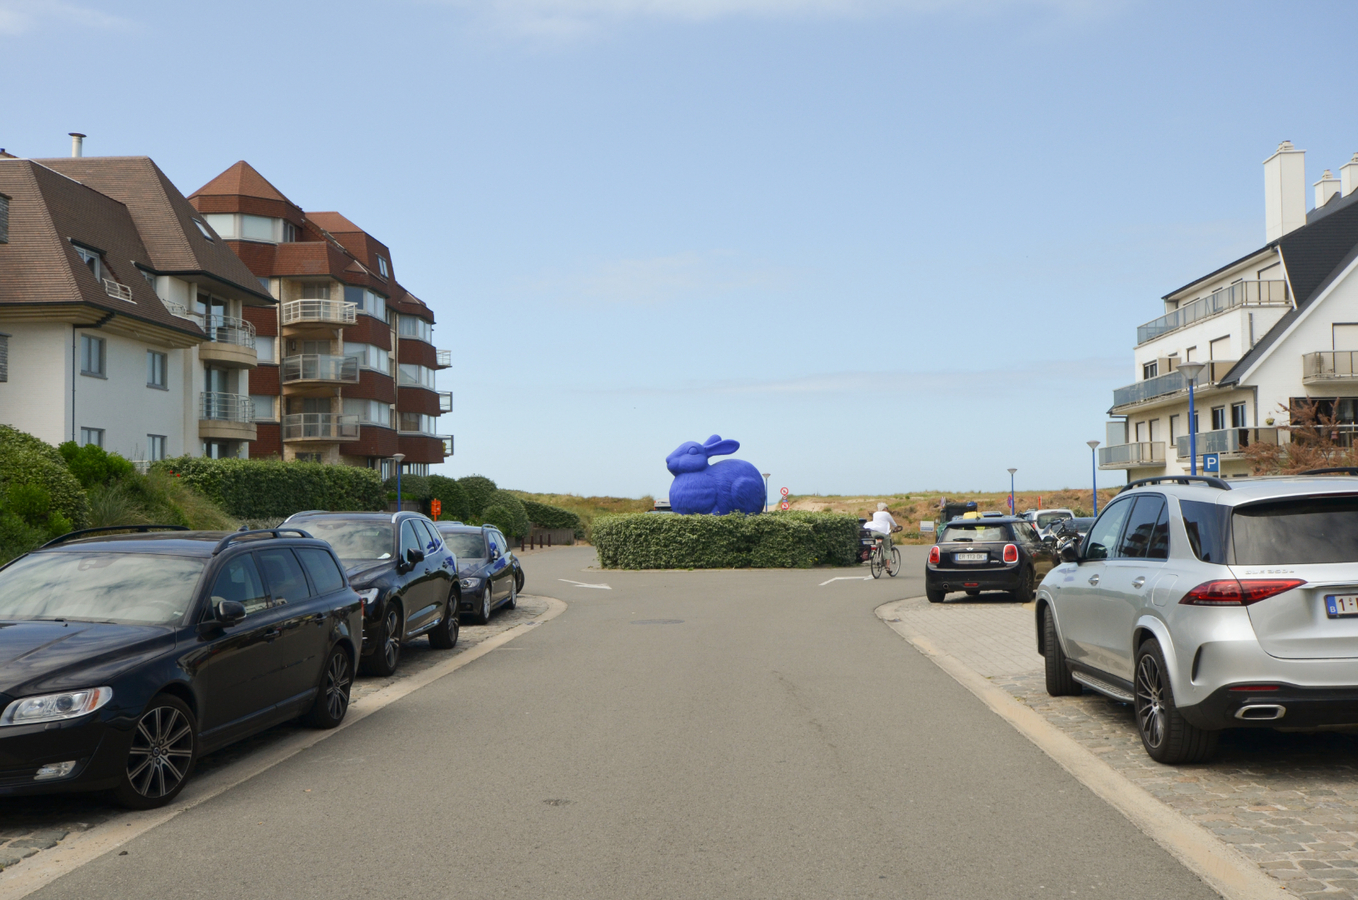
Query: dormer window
[[91, 260], [203, 228], [382, 267]]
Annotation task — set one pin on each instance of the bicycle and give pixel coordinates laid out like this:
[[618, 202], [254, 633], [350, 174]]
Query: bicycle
[[878, 560]]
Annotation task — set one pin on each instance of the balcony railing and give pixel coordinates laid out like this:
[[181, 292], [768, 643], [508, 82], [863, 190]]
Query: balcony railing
[[1329, 364], [221, 407], [118, 291], [1242, 293], [445, 401], [1127, 456], [1170, 383], [319, 367], [320, 427], [447, 444], [1230, 440], [229, 330], [335, 312], [444, 358]]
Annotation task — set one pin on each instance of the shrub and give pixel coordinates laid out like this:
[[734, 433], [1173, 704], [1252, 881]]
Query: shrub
[[777, 540], [26, 460], [17, 537], [92, 465], [519, 525], [270, 488], [502, 517], [451, 495], [545, 516], [479, 490], [413, 487]]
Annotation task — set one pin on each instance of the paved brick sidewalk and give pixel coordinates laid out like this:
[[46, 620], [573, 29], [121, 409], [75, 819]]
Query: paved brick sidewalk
[[1287, 800], [29, 825]]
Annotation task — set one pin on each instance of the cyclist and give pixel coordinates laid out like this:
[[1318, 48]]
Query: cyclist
[[882, 523]]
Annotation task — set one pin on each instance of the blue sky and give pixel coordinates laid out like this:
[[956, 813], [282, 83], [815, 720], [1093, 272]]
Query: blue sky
[[887, 245]]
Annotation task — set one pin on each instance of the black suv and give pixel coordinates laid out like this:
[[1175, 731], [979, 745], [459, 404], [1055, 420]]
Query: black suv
[[406, 576], [125, 657], [490, 574]]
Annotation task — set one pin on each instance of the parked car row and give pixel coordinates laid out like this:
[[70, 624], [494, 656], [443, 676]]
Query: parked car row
[[124, 657]]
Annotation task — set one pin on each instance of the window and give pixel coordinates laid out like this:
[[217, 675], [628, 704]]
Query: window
[[93, 436], [90, 258], [383, 267], [203, 229], [1190, 353], [267, 285], [1296, 532], [409, 540], [1104, 535], [289, 232], [241, 583], [369, 357], [1174, 427], [414, 327], [92, 356], [4, 357], [1205, 524], [257, 228], [321, 567], [155, 447], [262, 407], [1220, 348], [314, 291], [1237, 415], [366, 302], [1218, 418], [4, 219], [1152, 429], [1141, 524], [369, 412], [412, 375], [264, 349], [150, 278], [223, 223], [287, 584], [1139, 430], [155, 370], [417, 422], [431, 538], [1150, 370]]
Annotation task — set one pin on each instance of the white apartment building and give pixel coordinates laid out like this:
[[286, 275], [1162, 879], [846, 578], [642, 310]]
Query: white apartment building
[[1274, 328]]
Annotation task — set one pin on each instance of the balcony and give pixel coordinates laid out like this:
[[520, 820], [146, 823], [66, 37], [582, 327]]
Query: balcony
[[447, 445], [332, 313], [443, 359], [445, 401], [320, 427], [225, 417], [1230, 441], [1334, 367], [1132, 456], [1235, 296], [320, 368], [231, 342], [1163, 386]]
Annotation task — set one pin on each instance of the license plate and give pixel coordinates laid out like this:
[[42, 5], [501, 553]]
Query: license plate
[[1340, 605], [974, 557]]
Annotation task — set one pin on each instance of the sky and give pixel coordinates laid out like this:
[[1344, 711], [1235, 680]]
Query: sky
[[887, 245]]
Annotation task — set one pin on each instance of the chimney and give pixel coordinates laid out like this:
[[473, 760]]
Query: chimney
[[1326, 188], [1284, 191], [77, 144], [1348, 175]]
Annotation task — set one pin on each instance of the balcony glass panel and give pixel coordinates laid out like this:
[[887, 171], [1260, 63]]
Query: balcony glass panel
[[318, 367], [335, 312], [320, 426], [1160, 385], [1228, 440], [226, 407], [1242, 293], [1329, 364], [229, 330], [1128, 455]]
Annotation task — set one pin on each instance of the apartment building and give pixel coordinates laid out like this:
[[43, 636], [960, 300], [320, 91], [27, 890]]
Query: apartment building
[[347, 360], [121, 311], [1272, 329]]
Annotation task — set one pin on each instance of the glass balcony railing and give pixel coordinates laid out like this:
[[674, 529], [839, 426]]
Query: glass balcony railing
[[220, 407], [447, 444], [229, 330], [320, 427], [1128, 456], [331, 312], [319, 367], [1329, 364], [445, 401], [1229, 440], [1242, 293], [1171, 383], [444, 358]]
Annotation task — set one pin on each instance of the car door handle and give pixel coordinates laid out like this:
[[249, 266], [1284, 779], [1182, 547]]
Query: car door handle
[[1138, 581], [273, 633], [1094, 579]]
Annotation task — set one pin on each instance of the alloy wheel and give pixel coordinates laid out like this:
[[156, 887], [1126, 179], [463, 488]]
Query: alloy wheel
[[392, 648], [338, 680], [1150, 701], [161, 752]]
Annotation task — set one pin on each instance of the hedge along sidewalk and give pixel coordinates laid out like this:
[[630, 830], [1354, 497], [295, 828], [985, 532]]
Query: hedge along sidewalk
[[792, 540], [271, 488]]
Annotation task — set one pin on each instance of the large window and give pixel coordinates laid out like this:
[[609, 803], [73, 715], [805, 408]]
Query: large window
[[155, 370], [262, 407], [369, 357], [315, 291], [414, 327], [417, 422], [369, 412], [242, 226], [412, 375], [155, 447], [93, 436], [264, 349], [92, 356], [367, 302]]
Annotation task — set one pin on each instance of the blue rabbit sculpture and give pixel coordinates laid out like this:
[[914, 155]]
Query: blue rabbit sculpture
[[719, 488]]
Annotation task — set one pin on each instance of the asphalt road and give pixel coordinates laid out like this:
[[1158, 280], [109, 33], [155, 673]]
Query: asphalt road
[[682, 735]]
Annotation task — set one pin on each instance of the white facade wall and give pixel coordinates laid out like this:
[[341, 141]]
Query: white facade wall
[[37, 396], [1243, 327]]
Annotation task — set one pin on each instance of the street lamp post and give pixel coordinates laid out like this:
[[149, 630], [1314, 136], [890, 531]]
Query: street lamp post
[[766, 491], [1012, 509], [1191, 372], [1094, 467], [398, 457]]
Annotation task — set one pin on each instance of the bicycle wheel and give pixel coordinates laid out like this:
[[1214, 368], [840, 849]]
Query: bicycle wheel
[[895, 562], [877, 564]]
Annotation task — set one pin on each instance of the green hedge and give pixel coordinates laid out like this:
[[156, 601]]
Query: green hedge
[[27, 461], [518, 525], [270, 488], [771, 540], [546, 516], [413, 487], [479, 490], [451, 495]]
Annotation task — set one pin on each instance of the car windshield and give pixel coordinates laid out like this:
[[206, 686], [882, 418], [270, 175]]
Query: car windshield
[[975, 533], [465, 545], [352, 540], [1296, 532], [1047, 519], [124, 588]]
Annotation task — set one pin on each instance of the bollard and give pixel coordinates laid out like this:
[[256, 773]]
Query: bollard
[[549, 539]]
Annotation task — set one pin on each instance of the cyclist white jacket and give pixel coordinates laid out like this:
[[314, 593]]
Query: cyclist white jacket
[[881, 522]]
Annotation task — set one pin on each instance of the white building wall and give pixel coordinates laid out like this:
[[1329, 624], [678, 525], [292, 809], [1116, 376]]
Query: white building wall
[[123, 405], [1234, 324], [37, 396]]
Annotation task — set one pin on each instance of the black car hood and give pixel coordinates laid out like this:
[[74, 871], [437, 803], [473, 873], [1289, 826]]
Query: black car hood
[[472, 566], [48, 656], [360, 570]]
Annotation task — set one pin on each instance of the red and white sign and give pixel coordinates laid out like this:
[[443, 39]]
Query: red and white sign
[[785, 505], [783, 491]]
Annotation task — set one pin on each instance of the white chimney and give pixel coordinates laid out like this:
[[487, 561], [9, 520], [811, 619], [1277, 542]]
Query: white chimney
[[77, 144], [1284, 191], [1348, 175], [1326, 188]]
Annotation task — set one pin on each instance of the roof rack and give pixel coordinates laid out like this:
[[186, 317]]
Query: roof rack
[[237, 535], [85, 532], [1209, 480], [1336, 470]]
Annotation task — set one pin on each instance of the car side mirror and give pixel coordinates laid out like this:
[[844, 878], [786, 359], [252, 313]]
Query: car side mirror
[[414, 555], [225, 613], [494, 553], [1070, 552]]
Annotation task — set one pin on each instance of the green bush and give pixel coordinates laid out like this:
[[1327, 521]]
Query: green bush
[[26, 460], [17, 537], [271, 488], [413, 487], [499, 515], [519, 525], [544, 516], [774, 540], [92, 465], [451, 495], [479, 490]]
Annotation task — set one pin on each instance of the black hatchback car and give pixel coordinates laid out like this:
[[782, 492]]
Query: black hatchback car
[[489, 572], [123, 658], [405, 574], [992, 554]]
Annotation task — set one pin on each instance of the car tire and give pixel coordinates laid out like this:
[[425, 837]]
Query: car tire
[[444, 635], [1060, 681], [1027, 586], [935, 596], [518, 579], [386, 653], [1167, 736], [332, 699], [483, 616], [513, 601], [160, 756]]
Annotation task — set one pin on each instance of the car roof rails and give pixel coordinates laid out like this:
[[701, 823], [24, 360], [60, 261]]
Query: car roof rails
[[85, 532], [1334, 470], [1209, 480], [237, 535]]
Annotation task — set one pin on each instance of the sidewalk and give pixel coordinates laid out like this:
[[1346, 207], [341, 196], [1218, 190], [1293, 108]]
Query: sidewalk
[[1288, 801]]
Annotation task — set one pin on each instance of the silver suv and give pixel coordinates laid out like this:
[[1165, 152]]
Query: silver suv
[[1211, 604]]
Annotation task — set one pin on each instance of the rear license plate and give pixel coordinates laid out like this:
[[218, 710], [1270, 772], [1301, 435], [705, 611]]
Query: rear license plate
[[1338, 606], [974, 557]]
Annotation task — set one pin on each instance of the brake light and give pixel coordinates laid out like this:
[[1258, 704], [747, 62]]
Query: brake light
[[1230, 592], [934, 555], [1011, 553]]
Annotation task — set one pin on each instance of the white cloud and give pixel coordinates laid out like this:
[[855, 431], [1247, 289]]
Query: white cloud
[[21, 16], [656, 281]]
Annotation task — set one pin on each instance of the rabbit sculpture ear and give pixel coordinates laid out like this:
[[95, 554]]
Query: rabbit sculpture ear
[[715, 446]]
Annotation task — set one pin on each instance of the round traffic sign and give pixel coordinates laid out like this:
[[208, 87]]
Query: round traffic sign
[[785, 505], [783, 491]]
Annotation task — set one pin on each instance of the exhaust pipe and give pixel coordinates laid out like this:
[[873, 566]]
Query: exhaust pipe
[[1261, 712]]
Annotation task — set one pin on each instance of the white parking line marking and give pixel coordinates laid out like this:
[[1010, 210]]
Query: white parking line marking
[[601, 587], [847, 578]]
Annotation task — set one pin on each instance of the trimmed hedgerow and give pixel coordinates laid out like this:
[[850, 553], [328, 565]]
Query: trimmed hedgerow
[[29, 461], [479, 490], [519, 526], [545, 516], [271, 488], [451, 495], [775, 540]]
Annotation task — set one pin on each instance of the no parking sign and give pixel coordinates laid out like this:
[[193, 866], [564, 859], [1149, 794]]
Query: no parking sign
[[785, 505]]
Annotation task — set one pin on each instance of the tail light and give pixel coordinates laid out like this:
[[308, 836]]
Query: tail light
[[934, 555], [1011, 553], [1230, 592]]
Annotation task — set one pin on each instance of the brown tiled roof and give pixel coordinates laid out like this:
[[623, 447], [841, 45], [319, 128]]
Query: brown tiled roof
[[242, 189], [39, 264], [364, 247], [241, 179], [164, 217]]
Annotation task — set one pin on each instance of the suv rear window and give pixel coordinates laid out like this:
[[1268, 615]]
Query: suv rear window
[[976, 533], [1301, 531], [1206, 527]]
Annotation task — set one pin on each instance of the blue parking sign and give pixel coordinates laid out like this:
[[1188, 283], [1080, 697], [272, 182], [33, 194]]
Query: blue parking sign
[[1211, 463]]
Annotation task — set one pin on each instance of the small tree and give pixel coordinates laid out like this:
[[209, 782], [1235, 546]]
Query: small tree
[[1315, 442]]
